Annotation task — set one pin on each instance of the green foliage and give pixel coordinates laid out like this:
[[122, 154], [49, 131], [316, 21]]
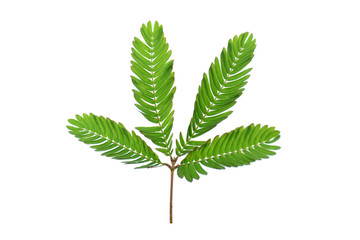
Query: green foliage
[[236, 148], [111, 138], [219, 90], [154, 83]]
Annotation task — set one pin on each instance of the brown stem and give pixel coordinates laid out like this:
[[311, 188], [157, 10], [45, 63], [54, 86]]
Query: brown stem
[[171, 194], [172, 169]]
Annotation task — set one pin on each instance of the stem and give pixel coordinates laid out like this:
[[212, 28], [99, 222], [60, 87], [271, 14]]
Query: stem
[[172, 169], [171, 194]]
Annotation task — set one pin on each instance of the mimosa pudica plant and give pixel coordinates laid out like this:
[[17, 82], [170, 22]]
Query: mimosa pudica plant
[[154, 91]]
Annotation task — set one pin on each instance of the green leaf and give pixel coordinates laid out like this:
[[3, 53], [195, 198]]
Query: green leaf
[[180, 171], [236, 148], [111, 138], [154, 82], [220, 88]]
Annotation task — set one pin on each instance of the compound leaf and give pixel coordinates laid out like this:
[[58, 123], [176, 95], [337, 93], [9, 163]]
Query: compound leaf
[[220, 89], [111, 138], [154, 80], [236, 148]]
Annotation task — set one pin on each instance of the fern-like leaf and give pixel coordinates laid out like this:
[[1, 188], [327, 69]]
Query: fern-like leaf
[[154, 83], [236, 148], [111, 138], [219, 90]]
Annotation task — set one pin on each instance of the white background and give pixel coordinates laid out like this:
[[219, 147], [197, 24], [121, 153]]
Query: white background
[[61, 58]]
